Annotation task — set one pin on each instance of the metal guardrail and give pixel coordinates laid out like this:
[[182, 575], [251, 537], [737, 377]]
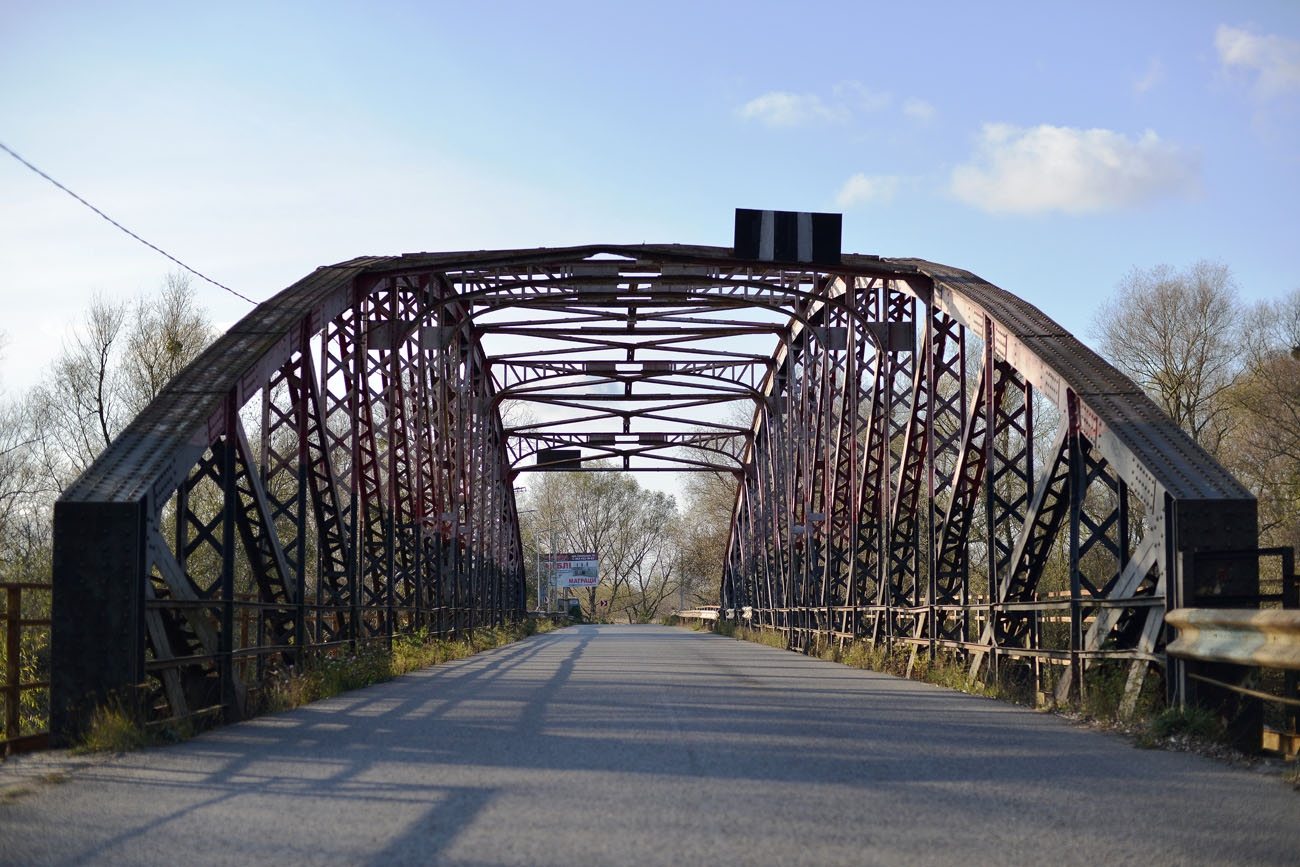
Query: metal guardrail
[[716, 612], [1267, 639]]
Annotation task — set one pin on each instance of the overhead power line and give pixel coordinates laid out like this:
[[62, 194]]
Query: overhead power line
[[153, 247]]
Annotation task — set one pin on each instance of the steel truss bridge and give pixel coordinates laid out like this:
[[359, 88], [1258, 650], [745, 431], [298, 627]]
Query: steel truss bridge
[[923, 460]]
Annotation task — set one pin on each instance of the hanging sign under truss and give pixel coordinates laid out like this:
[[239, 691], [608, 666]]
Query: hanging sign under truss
[[574, 570]]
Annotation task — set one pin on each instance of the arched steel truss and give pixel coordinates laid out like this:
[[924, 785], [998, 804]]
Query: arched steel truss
[[336, 468], [940, 465]]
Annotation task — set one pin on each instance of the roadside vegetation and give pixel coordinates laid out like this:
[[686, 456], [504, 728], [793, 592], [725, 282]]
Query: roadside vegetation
[[1152, 726], [944, 670], [113, 727], [325, 675]]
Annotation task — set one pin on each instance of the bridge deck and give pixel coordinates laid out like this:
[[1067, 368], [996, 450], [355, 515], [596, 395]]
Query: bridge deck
[[617, 744]]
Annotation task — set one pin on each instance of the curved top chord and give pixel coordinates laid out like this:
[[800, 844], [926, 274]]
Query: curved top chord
[[158, 448], [1118, 416]]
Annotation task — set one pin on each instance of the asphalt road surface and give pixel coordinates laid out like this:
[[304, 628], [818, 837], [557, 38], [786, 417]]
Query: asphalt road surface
[[648, 745]]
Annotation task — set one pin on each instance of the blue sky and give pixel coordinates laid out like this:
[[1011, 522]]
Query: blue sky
[[1049, 148]]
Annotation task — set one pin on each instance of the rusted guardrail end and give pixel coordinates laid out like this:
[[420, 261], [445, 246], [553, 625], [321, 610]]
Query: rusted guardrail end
[[1268, 639]]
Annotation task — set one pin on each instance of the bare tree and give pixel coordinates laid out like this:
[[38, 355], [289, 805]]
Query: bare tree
[[517, 413], [168, 332], [24, 499], [628, 527], [654, 567], [1264, 451], [1177, 335], [19, 472], [116, 361], [709, 502], [79, 405], [703, 533]]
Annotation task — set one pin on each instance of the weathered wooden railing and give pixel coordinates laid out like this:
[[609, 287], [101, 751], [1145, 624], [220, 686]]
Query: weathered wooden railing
[[26, 669]]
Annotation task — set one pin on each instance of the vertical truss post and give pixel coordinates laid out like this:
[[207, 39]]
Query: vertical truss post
[[353, 351], [226, 641], [992, 401], [299, 404], [935, 346], [1077, 490]]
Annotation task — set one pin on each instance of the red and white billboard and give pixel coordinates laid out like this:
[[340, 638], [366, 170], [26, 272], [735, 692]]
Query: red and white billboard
[[574, 570]]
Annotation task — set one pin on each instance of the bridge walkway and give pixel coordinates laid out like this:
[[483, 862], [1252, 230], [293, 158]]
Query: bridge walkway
[[652, 745]]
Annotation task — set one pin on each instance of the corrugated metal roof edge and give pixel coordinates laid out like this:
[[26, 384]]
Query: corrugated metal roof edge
[[1130, 414], [127, 469]]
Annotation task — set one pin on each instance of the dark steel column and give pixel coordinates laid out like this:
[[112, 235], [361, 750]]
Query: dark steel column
[[97, 636]]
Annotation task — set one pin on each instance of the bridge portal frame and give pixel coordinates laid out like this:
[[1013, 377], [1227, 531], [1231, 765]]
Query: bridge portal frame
[[893, 446]]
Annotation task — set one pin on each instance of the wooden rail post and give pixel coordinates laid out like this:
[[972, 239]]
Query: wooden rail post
[[13, 650]]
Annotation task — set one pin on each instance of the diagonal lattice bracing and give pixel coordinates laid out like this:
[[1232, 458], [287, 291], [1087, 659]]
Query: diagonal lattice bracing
[[931, 464]]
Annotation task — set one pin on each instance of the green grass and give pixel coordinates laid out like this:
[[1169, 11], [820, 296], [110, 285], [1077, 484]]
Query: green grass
[[1152, 725], [114, 729], [946, 669], [1186, 723], [326, 675], [766, 637]]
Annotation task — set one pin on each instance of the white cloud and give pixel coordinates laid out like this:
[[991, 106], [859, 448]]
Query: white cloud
[[1154, 75], [919, 109], [1052, 168], [861, 189], [859, 96], [780, 108], [1275, 59], [847, 99]]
